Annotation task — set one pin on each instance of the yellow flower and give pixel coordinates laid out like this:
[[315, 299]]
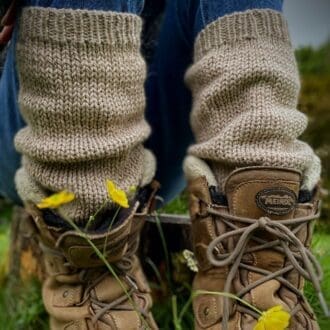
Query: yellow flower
[[117, 195], [275, 318], [56, 200]]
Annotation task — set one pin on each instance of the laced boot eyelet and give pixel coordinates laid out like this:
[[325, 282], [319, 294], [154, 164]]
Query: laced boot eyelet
[[206, 311]]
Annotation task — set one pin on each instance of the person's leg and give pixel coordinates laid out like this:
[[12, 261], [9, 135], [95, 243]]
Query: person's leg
[[260, 125], [57, 157], [168, 98], [251, 181], [12, 120], [81, 94]]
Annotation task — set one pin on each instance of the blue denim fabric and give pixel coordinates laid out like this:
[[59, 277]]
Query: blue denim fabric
[[126, 6], [10, 122], [168, 100]]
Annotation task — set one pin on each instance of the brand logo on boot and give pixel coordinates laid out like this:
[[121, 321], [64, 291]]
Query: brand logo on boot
[[277, 201]]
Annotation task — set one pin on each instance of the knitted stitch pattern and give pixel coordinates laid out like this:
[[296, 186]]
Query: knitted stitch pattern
[[82, 96], [245, 87]]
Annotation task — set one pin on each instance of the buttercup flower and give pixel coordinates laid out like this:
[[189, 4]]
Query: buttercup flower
[[275, 318], [117, 195], [56, 200]]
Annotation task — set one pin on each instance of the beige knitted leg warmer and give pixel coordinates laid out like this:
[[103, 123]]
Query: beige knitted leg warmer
[[82, 95], [245, 86]]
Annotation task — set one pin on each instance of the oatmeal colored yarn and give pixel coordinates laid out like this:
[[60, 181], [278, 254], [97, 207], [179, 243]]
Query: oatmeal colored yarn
[[245, 87], [82, 95]]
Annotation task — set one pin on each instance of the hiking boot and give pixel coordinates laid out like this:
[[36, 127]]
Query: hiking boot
[[253, 242], [80, 291]]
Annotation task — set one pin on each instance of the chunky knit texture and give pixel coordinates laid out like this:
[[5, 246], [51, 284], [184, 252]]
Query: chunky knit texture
[[245, 87], [82, 95]]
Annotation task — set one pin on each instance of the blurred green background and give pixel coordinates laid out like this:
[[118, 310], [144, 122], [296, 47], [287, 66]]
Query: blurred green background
[[23, 309]]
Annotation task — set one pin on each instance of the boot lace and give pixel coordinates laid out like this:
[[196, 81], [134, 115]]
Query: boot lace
[[94, 276], [125, 302], [285, 241]]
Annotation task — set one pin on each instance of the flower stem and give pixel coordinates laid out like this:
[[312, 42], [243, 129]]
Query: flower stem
[[92, 217], [228, 295], [176, 321], [185, 308], [109, 229]]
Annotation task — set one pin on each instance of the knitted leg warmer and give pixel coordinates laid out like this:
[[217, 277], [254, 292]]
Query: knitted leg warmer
[[82, 96], [245, 86]]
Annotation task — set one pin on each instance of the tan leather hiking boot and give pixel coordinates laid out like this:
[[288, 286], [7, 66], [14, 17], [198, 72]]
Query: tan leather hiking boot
[[253, 242], [79, 291]]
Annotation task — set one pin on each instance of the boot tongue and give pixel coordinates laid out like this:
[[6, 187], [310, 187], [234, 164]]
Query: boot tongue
[[254, 192]]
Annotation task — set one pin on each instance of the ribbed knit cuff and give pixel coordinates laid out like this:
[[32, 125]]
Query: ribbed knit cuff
[[80, 26], [237, 27]]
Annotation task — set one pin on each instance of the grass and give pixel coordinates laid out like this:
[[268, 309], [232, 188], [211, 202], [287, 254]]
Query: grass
[[22, 309], [321, 248], [21, 306]]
